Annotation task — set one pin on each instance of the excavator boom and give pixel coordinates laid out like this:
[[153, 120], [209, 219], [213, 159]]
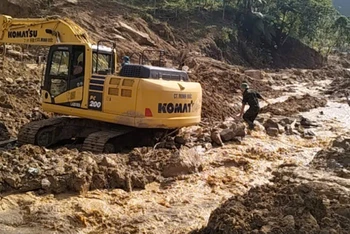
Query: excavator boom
[[41, 31]]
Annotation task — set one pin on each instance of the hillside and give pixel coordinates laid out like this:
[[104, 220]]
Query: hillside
[[343, 6], [196, 32]]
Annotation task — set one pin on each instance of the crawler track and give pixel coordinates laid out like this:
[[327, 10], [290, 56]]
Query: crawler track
[[96, 141], [27, 134], [98, 137]]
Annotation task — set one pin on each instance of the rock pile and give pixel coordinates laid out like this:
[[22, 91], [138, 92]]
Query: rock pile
[[336, 158], [283, 207], [295, 104], [298, 200], [276, 125], [31, 168]]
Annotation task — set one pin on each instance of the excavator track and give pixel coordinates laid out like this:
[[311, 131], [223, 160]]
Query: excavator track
[[97, 141], [28, 133], [50, 131]]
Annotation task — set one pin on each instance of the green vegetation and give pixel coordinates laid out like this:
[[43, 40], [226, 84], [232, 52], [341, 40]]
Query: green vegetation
[[266, 23]]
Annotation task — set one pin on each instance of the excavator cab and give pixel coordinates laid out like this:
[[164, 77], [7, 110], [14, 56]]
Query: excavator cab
[[69, 67]]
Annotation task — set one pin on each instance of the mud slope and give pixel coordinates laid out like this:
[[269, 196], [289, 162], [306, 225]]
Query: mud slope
[[19, 95], [295, 104], [299, 200], [283, 208], [102, 19], [33, 168]]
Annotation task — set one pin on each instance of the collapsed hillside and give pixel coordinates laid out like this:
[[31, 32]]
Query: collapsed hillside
[[135, 29]]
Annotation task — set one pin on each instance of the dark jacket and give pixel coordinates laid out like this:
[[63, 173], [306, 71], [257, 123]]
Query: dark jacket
[[251, 97]]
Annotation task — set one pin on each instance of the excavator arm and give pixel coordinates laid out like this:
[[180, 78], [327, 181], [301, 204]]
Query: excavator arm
[[42, 31]]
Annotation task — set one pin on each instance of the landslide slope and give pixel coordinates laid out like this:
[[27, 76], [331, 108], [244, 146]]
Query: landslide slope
[[124, 25]]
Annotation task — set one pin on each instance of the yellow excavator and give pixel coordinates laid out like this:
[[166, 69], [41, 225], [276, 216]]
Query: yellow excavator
[[99, 102]]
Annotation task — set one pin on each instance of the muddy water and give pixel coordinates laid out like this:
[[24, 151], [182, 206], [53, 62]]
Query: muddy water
[[174, 206]]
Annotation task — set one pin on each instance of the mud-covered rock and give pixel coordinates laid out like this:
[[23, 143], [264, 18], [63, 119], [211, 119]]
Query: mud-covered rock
[[239, 129], [272, 131], [256, 74], [342, 142], [227, 135], [184, 162], [295, 104], [336, 158], [283, 207], [216, 138], [32, 168]]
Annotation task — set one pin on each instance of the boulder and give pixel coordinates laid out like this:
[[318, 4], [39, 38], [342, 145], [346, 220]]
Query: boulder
[[342, 142], [180, 140], [215, 137], [131, 33], [271, 123], [187, 161], [272, 131], [307, 123], [227, 135], [238, 129]]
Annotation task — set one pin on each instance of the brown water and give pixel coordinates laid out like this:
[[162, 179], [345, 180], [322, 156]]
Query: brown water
[[175, 206]]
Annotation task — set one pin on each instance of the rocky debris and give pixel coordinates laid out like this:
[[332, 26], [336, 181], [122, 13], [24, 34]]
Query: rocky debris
[[31, 168], [342, 142], [183, 162], [19, 95], [336, 158], [216, 137], [277, 125], [256, 74], [295, 104], [285, 206], [340, 85], [132, 34], [273, 128], [221, 84], [4, 133], [272, 132], [306, 123], [236, 130]]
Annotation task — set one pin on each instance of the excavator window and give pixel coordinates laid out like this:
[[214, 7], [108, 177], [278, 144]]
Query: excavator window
[[65, 70], [59, 70], [104, 63]]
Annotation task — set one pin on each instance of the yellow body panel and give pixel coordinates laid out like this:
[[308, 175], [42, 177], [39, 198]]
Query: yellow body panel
[[173, 104]]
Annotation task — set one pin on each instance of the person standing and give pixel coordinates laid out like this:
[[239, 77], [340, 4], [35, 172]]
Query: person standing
[[250, 97], [126, 60]]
